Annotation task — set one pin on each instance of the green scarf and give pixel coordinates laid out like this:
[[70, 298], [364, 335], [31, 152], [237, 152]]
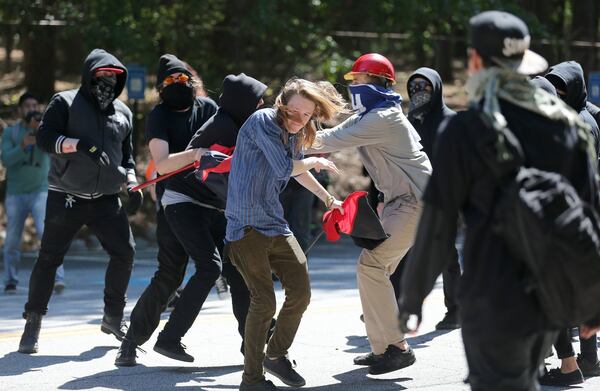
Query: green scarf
[[494, 83]]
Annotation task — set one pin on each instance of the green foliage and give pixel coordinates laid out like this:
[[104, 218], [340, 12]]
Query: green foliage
[[270, 39]]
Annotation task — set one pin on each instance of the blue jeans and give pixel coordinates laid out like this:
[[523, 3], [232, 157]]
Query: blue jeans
[[18, 207]]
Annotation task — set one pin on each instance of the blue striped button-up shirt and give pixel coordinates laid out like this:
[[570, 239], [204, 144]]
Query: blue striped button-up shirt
[[260, 169]]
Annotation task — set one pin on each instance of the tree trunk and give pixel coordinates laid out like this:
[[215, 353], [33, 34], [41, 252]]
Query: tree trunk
[[39, 49], [585, 28], [8, 46], [443, 58]]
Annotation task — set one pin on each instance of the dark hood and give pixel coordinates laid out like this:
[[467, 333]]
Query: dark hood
[[99, 58], [569, 75], [169, 64], [437, 99], [240, 95], [544, 84]]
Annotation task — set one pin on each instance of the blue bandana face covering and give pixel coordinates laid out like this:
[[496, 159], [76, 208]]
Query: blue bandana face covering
[[366, 97]]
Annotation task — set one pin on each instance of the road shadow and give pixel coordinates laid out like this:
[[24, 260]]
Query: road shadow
[[360, 343], [15, 363], [149, 378]]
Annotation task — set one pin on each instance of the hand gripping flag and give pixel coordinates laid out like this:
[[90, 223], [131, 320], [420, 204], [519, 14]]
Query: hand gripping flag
[[359, 221], [218, 164]]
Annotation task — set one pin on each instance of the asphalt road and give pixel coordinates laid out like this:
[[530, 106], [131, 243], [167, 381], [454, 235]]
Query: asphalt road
[[75, 355]]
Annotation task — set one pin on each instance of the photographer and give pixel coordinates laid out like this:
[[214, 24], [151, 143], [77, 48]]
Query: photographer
[[27, 187]]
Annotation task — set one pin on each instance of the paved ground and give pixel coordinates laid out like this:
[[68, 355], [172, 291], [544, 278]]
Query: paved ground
[[75, 355]]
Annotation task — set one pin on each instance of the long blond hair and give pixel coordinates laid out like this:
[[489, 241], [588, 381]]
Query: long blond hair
[[328, 104]]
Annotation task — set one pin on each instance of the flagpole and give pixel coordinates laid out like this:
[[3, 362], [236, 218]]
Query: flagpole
[[144, 185]]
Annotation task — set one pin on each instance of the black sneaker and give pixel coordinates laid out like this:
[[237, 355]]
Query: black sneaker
[[127, 353], [587, 368], [283, 369], [174, 350], [393, 359], [556, 378], [450, 322], [114, 325], [368, 359], [265, 385], [10, 289], [31, 334]]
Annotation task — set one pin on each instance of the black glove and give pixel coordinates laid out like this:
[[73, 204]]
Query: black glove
[[404, 318], [136, 198], [93, 152]]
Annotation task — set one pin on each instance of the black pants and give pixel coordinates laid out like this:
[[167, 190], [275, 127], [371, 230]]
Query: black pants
[[564, 348], [65, 215], [451, 277], [201, 232], [506, 363], [172, 262]]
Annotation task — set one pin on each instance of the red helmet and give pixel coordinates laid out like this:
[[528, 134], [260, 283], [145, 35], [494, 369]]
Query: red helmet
[[373, 64]]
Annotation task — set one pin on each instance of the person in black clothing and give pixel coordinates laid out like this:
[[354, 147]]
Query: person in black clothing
[[87, 131], [171, 124], [426, 112], [194, 213], [569, 82], [503, 326]]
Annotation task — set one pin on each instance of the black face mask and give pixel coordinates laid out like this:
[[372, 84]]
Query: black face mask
[[103, 89], [178, 96]]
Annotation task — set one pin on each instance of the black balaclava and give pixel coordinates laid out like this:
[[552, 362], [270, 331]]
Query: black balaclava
[[420, 98], [178, 96], [103, 89]]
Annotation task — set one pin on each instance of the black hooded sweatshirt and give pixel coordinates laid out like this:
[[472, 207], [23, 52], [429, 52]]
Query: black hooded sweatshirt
[[568, 76], [239, 99], [77, 114], [438, 111]]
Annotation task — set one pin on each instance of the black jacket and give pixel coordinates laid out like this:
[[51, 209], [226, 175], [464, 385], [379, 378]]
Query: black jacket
[[568, 76], [76, 114], [438, 111], [239, 99], [493, 291]]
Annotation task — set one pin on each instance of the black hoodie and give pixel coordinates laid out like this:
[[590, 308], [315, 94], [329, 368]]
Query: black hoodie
[[568, 77], [239, 99], [76, 114], [438, 111]]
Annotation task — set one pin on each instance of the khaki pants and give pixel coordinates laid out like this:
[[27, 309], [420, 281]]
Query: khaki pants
[[256, 256], [399, 218]]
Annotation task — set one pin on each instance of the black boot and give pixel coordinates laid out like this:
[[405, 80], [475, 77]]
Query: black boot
[[114, 325], [127, 354], [31, 334]]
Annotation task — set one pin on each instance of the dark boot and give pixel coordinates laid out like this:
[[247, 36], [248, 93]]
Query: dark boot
[[127, 354], [450, 321], [31, 334], [114, 325]]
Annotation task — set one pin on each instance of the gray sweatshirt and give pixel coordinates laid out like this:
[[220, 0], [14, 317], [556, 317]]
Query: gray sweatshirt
[[389, 148]]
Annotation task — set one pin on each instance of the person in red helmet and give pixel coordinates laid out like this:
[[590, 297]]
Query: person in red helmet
[[389, 148]]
